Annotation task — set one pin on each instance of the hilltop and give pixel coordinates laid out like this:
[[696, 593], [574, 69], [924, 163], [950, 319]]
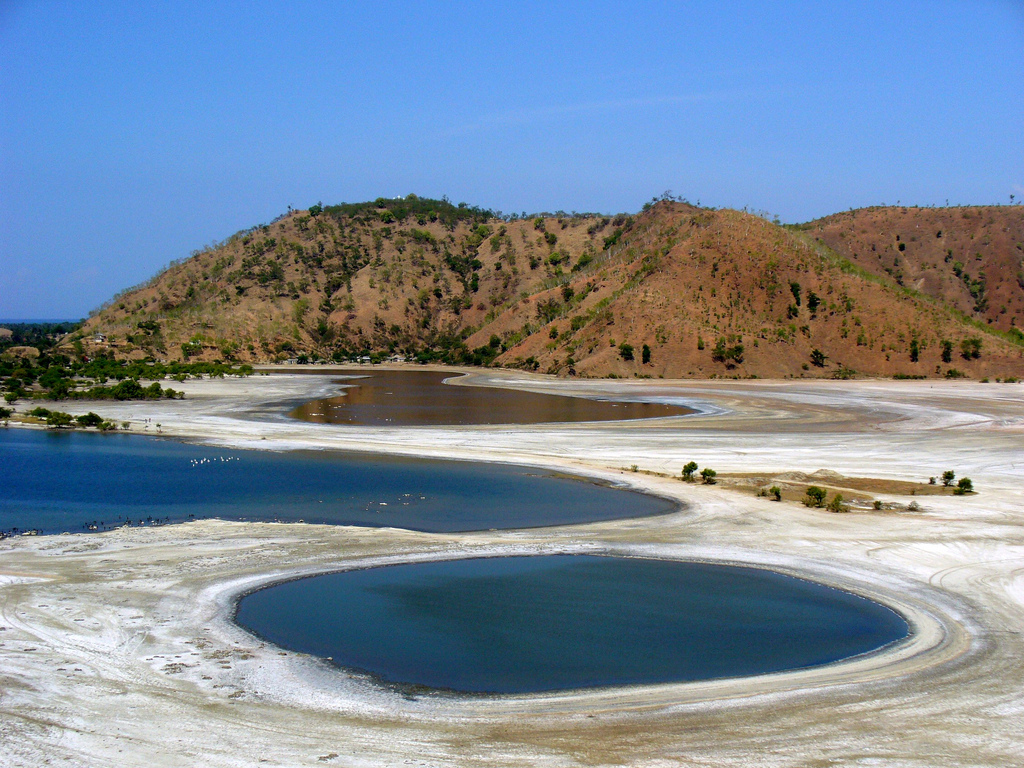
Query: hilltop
[[674, 291]]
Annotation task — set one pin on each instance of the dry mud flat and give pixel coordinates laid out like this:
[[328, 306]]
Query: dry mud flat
[[118, 649]]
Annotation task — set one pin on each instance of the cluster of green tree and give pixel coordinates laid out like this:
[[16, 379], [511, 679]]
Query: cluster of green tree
[[59, 377], [964, 485], [707, 474], [727, 352], [815, 496], [422, 209], [460, 354], [62, 420], [444, 348], [42, 336]]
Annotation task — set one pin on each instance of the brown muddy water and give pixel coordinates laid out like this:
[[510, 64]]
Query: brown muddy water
[[421, 398]]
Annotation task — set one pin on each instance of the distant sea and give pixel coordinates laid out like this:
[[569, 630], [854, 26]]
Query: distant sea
[[15, 321]]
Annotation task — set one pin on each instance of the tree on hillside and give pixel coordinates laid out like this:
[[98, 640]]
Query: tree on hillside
[[794, 287], [970, 349], [724, 353], [818, 358], [947, 478]]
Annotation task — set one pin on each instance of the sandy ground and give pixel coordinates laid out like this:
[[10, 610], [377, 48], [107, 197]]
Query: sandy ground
[[118, 649]]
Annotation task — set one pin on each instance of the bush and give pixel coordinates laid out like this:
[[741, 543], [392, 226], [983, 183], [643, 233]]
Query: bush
[[947, 478], [5, 413], [626, 351], [730, 355], [59, 419], [688, 469], [709, 475], [970, 349], [775, 492], [89, 419], [836, 504], [964, 486], [814, 496]]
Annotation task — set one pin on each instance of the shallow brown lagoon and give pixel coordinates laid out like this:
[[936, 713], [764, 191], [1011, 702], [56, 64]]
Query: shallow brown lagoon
[[421, 398]]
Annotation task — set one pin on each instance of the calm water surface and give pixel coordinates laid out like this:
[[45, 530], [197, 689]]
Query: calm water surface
[[528, 624], [69, 481], [420, 398]]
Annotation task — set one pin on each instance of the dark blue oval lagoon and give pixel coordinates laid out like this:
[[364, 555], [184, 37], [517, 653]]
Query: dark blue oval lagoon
[[541, 623], [57, 482]]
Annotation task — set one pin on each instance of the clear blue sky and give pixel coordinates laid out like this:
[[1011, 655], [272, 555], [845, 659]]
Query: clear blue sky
[[132, 133]]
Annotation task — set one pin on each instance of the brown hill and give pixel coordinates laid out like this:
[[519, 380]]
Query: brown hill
[[675, 291], [970, 257]]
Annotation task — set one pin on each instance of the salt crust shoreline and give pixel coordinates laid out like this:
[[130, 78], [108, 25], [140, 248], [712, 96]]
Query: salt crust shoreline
[[164, 675]]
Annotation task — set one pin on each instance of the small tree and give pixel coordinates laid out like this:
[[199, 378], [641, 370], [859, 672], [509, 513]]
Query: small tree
[[794, 287], [964, 486], [818, 357], [915, 350], [645, 354], [947, 478], [947, 351], [815, 496], [709, 475], [836, 504], [626, 351], [775, 492], [688, 469], [59, 419]]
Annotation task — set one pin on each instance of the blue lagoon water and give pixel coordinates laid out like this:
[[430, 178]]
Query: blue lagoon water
[[530, 624], [69, 481]]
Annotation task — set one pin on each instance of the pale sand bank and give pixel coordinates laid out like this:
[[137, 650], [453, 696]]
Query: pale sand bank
[[117, 648]]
